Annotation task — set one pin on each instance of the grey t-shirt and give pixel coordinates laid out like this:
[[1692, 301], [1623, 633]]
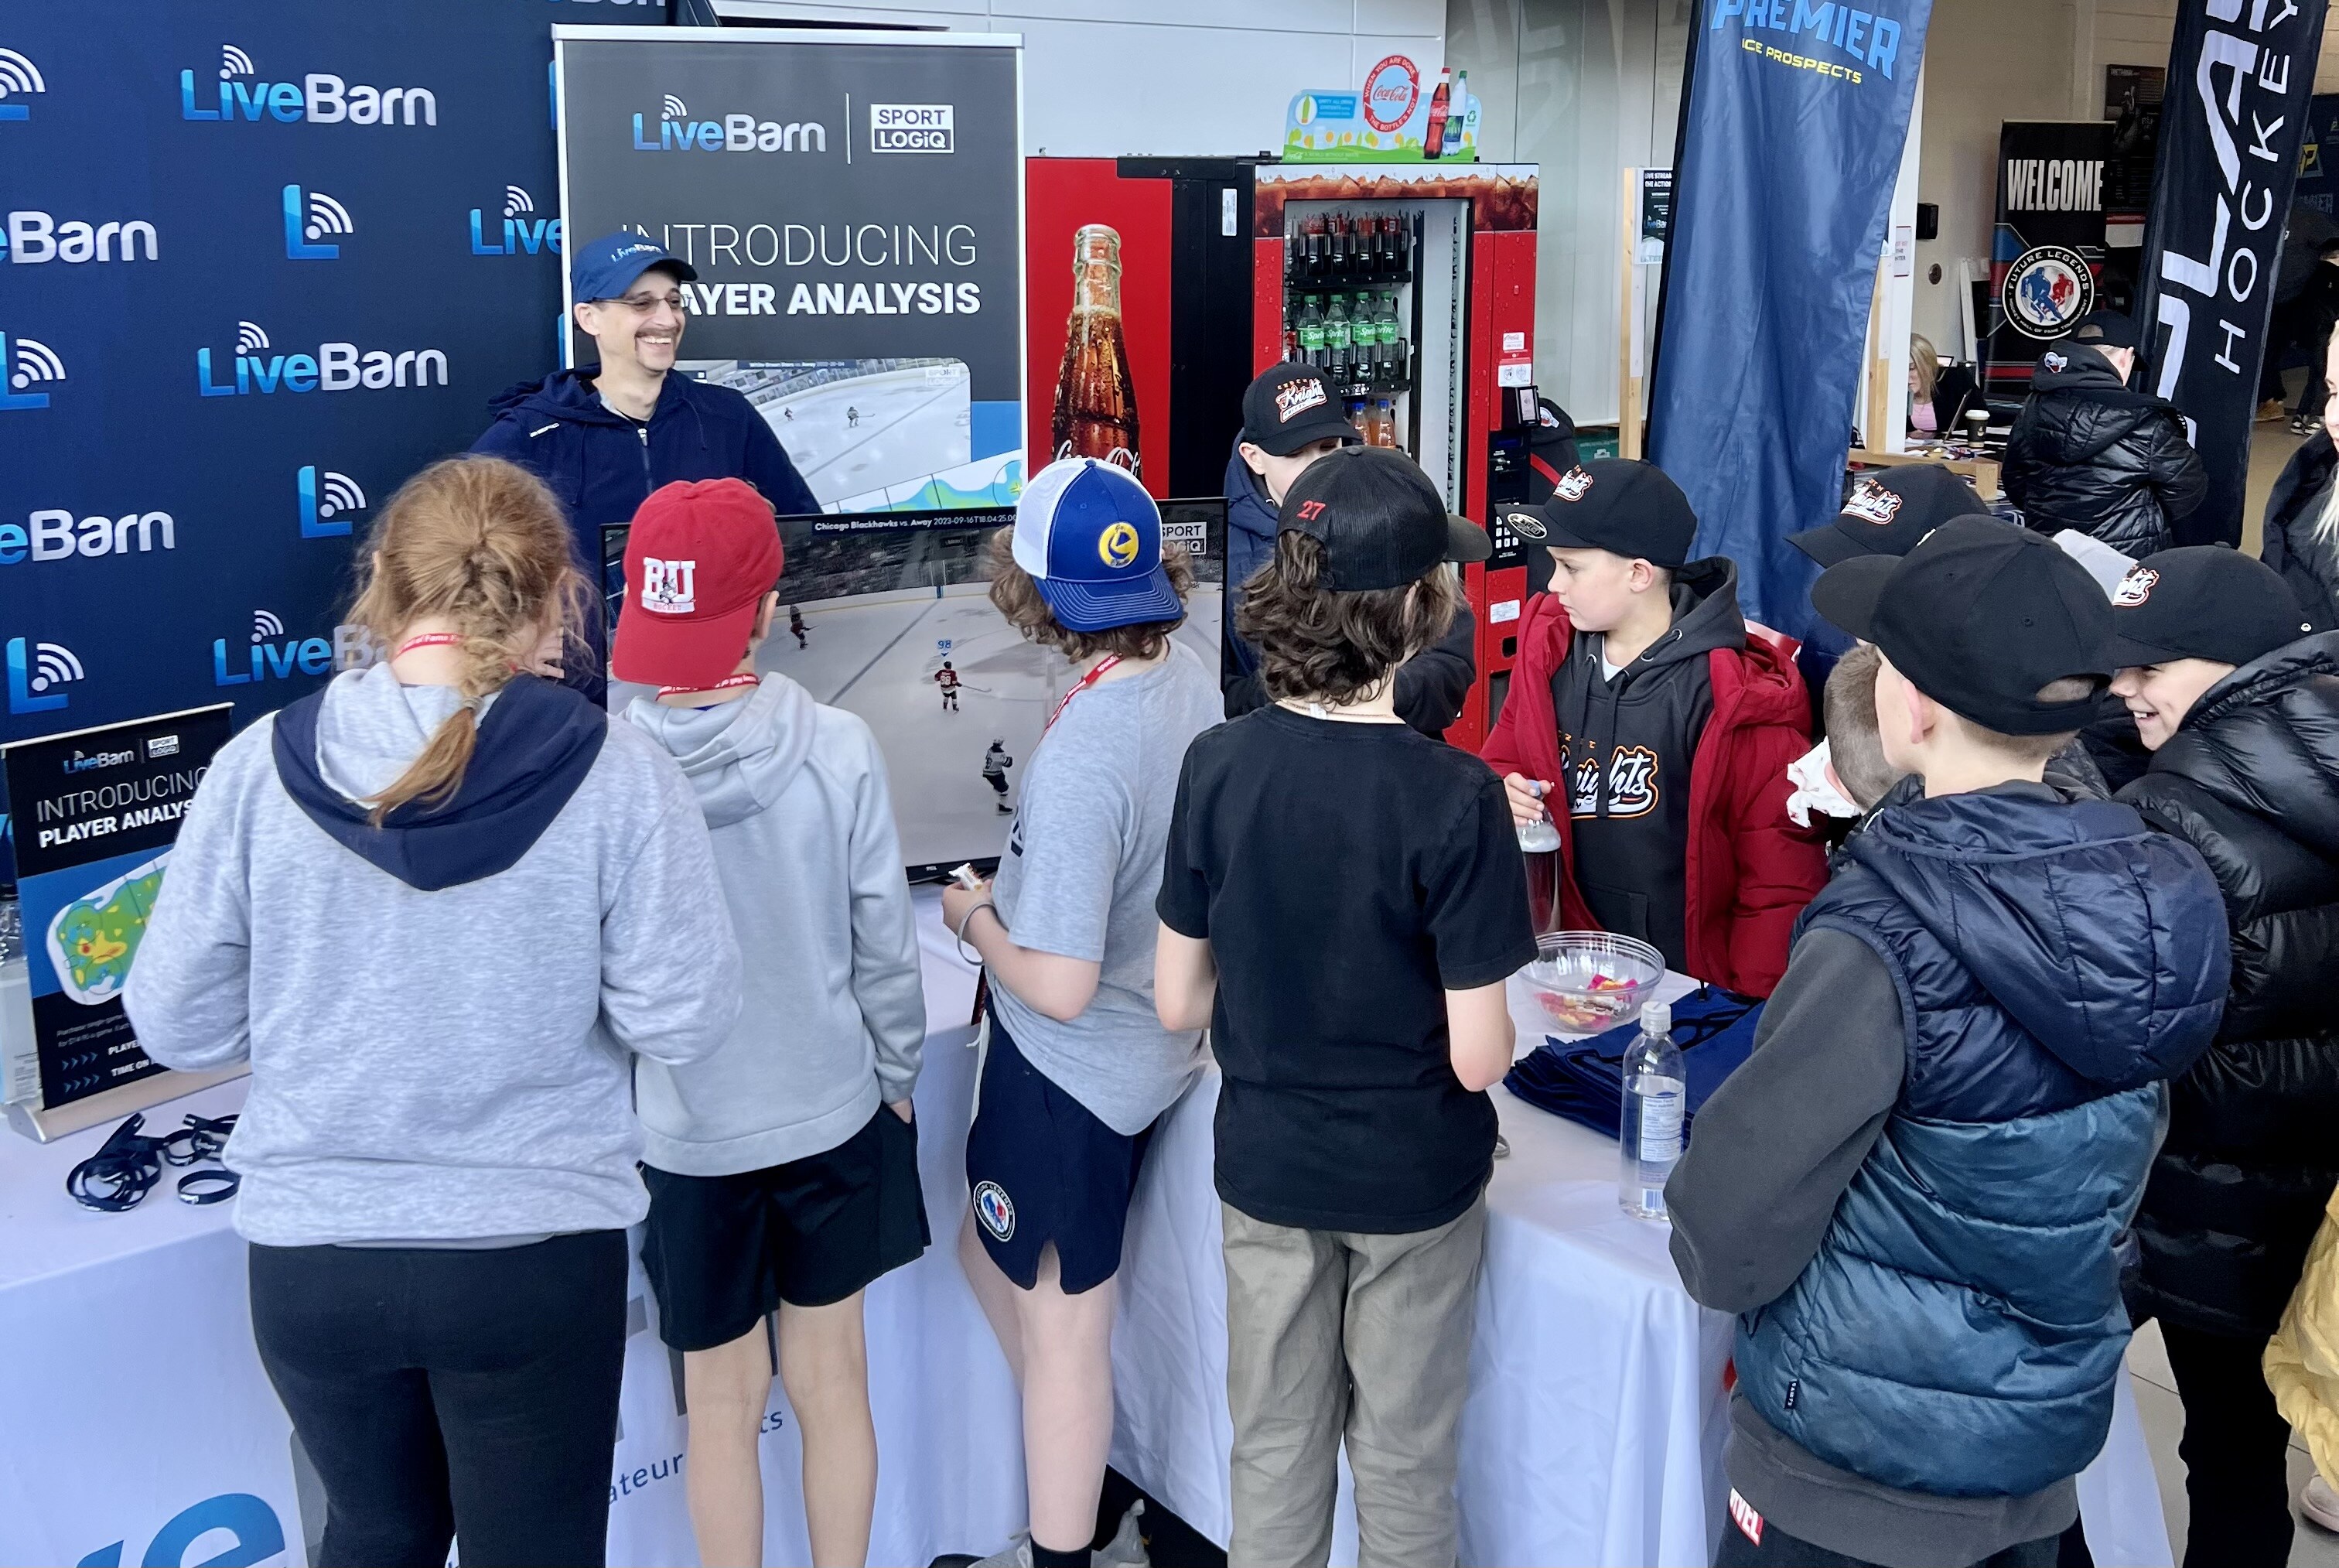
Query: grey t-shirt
[[1079, 877]]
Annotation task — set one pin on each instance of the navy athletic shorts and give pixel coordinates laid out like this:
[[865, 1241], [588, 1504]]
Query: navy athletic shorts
[[1041, 1168]]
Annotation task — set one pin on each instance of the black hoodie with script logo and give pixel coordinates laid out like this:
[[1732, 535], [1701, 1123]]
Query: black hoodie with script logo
[[1628, 744]]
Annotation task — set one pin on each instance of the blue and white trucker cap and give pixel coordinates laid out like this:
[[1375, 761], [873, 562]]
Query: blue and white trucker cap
[[1091, 539], [607, 267]]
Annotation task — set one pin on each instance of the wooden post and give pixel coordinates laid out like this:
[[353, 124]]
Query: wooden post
[[1630, 363], [1874, 433]]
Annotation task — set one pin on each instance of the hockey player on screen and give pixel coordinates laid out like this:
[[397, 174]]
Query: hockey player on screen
[[947, 678], [797, 625], [995, 763]]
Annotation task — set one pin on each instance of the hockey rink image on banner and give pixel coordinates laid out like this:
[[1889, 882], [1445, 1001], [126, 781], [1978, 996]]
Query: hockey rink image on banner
[[875, 434], [887, 614]]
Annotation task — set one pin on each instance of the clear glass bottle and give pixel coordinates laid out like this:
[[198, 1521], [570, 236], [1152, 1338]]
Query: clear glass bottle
[[1656, 1099]]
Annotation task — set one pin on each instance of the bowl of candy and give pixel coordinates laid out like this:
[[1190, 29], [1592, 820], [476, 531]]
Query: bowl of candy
[[1589, 980]]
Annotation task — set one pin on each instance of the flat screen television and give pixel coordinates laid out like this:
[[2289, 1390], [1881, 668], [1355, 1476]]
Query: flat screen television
[[887, 596]]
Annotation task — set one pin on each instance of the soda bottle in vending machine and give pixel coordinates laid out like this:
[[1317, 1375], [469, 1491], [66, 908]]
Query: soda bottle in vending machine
[[1096, 404]]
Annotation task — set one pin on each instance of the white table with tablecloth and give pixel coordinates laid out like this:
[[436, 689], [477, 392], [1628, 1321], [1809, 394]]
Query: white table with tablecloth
[[139, 1428]]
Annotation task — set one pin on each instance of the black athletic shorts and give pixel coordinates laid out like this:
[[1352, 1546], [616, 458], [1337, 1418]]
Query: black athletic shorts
[[723, 1251], [1041, 1166]]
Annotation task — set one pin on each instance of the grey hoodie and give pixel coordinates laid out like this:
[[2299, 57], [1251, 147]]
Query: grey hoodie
[[834, 1020], [435, 1066]]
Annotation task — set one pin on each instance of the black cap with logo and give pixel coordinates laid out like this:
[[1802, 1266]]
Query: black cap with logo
[[1889, 512], [1291, 406], [1980, 618], [2202, 602], [1613, 504], [1379, 519]]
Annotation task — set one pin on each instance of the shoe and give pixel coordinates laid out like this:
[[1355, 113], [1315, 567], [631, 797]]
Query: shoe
[[1006, 810], [2320, 1502], [1127, 1547], [2270, 411], [2301, 426]]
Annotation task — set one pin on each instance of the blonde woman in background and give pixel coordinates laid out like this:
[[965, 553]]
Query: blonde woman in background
[[2302, 1368], [439, 906], [1938, 394]]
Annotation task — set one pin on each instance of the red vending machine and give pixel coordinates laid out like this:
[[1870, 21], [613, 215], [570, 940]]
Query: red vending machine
[[1158, 288]]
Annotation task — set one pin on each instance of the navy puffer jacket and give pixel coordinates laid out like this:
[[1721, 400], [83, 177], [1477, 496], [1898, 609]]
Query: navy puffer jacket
[[2251, 780], [1961, 1329]]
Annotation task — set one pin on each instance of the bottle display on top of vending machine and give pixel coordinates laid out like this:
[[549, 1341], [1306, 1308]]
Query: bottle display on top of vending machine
[[1433, 136], [1096, 403], [1450, 145]]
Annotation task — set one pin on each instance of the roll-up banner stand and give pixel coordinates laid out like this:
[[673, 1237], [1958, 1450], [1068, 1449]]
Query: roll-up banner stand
[[2048, 252], [2231, 131]]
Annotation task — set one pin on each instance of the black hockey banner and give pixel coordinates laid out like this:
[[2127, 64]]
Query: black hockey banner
[[2240, 73], [2049, 247]]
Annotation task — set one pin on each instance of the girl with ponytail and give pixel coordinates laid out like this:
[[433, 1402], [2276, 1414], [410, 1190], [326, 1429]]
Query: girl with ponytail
[[439, 906]]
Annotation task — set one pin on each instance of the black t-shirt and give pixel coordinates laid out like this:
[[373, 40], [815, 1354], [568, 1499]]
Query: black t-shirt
[[1347, 876]]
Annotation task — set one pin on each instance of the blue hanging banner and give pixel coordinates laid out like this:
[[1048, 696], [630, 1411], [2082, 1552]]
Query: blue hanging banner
[[1796, 119]]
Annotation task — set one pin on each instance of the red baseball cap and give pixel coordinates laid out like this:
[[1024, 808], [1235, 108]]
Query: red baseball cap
[[700, 558]]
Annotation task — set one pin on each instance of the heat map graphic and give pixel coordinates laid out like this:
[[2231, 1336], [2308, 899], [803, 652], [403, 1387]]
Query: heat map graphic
[[93, 939]]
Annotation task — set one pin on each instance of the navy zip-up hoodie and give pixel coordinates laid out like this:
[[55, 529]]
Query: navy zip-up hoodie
[[603, 465]]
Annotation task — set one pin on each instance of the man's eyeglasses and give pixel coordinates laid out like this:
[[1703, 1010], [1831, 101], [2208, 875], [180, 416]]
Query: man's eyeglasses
[[641, 304]]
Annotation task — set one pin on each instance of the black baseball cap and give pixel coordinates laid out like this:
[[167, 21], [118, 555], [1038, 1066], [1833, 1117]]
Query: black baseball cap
[[2202, 602], [1289, 407], [2108, 329], [1381, 522], [1613, 504], [1979, 618], [1887, 513]]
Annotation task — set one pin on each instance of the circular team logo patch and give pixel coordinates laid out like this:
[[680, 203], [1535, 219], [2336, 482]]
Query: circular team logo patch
[[1118, 545], [995, 1209], [2047, 291]]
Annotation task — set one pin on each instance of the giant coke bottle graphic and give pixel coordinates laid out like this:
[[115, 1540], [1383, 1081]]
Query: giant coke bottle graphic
[[1096, 406]]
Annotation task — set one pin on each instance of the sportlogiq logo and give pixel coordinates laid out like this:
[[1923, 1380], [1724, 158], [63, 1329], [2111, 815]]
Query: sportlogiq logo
[[327, 499], [333, 368], [911, 127], [678, 132], [35, 671], [523, 231], [309, 217], [272, 655], [23, 365], [18, 76], [320, 98]]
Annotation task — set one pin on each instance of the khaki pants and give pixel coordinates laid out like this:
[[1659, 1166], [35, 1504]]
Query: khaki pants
[[1338, 1334]]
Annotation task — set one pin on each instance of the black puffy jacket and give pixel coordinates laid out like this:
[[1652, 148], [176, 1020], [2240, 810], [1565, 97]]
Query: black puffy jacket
[[2251, 779], [2295, 545], [2087, 453]]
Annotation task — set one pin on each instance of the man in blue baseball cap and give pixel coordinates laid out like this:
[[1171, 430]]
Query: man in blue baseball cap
[[604, 438]]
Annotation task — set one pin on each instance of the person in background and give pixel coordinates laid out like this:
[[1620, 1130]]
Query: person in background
[[1077, 1067], [2241, 711], [441, 906], [783, 1170], [1911, 1190], [2302, 1368], [1291, 417], [2302, 514], [2088, 452], [2305, 301], [604, 439], [1640, 695], [1351, 964], [1939, 396]]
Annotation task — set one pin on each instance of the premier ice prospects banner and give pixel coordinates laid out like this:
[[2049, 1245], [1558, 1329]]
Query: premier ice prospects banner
[[258, 263], [96, 813], [1797, 116], [853, 208], [2231, 130]]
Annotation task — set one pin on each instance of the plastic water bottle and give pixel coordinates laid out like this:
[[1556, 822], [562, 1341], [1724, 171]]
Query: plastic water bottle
[[1656, 1096], [1540, 837]]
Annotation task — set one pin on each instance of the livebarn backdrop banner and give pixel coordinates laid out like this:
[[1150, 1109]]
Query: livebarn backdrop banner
[[262, 260], [2231, 130], [1796, 119]]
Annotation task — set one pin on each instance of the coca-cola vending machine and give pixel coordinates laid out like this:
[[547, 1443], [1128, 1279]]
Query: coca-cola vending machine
[[1158, 288]]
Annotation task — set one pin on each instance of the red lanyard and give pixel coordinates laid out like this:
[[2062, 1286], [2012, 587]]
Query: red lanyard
[[728, 682], [1085, 682], [430, 640]]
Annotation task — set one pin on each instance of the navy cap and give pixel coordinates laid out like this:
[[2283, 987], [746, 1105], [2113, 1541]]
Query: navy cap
[[1091, 539], [607, 267]]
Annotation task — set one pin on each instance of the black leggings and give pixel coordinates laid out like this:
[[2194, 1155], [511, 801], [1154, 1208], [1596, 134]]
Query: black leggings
[[2236, 1450], [451, 1394]]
